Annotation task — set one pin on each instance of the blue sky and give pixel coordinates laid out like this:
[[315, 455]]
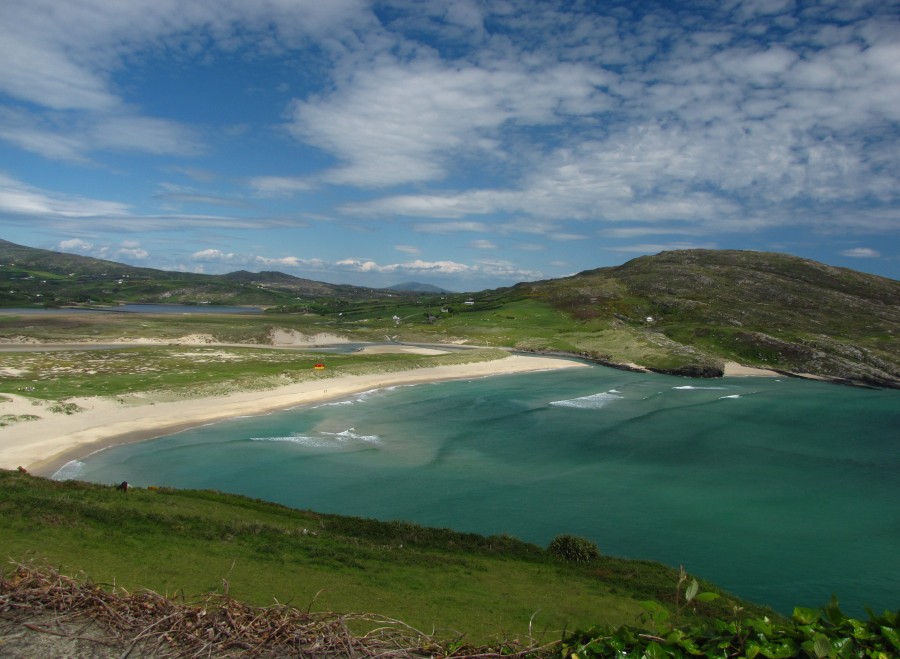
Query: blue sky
[[468, 144]]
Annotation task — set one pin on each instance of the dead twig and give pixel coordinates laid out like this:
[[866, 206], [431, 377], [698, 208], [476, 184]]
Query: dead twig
[[218, 626]]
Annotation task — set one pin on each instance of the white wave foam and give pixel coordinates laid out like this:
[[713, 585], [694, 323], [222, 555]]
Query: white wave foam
[[72, 469], [303, 440], [334, 404], [351, 435], [593, 402], [324, 440], [731, 396], [689, 387]]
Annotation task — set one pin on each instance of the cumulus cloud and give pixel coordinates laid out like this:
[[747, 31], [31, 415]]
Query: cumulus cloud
[[131, 254], [498, 268], [127, 251], [213, 255], [75, 246], [416, 267], [404, 122]]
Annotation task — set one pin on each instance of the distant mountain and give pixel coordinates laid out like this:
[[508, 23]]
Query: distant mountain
[[416, 287], [30, 276]]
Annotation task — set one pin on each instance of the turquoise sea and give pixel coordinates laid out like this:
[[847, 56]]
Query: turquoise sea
[[780, 490]]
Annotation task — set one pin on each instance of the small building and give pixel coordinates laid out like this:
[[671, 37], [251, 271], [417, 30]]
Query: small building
[[319, 367]]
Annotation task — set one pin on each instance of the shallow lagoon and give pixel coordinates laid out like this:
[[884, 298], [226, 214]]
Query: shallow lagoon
[[780, 490]]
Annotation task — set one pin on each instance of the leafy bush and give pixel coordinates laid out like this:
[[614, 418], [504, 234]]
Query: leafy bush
[[573, 548], [813, 633]]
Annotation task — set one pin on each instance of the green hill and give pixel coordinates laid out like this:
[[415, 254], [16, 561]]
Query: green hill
[[39, 277], [698, 308], [193, 542]]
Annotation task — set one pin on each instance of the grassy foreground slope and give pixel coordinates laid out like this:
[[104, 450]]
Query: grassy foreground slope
[[192, 542]]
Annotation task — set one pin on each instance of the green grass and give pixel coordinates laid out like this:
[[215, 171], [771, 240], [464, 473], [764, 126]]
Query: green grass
[[194, 542], [192, 370]]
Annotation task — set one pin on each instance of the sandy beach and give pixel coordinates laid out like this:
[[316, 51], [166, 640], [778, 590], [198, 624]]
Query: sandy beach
[[46, 442], [733, 369]]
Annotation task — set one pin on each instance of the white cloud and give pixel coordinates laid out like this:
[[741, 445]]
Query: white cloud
[[405, 122], [280, 186], [284, 261], [18, 198], [213, 255], [417, 266], [132, 254], [70, 137], [75, 245], [495, 268], [126, 251], [64, 52], [483, 244], [144, 134], [450, 227], [44, 74], [408, 249], [861, 253]]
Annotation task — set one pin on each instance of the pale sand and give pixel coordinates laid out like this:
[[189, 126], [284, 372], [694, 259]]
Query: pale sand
[[45, 444], [734, 369], [410, 350]]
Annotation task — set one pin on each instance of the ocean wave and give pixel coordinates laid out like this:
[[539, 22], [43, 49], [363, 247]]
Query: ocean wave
[[72, 469], [731, 396], [335, 403], [303, 440], [323, 440], [688, 387], [593, 402], [351, 435]]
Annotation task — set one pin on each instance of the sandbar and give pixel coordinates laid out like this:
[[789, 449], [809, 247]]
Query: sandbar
[[43, 444]]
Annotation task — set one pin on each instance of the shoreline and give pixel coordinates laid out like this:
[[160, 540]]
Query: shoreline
[[45, 444]]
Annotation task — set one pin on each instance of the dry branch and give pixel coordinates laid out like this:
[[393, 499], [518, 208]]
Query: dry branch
[[148, 624]]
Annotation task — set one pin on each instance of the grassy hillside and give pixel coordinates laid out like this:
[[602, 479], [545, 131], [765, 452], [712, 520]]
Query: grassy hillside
[[769, 310], [192, 542], [38, 277]]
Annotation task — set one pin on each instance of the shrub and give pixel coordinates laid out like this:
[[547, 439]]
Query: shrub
[[573, 548]]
